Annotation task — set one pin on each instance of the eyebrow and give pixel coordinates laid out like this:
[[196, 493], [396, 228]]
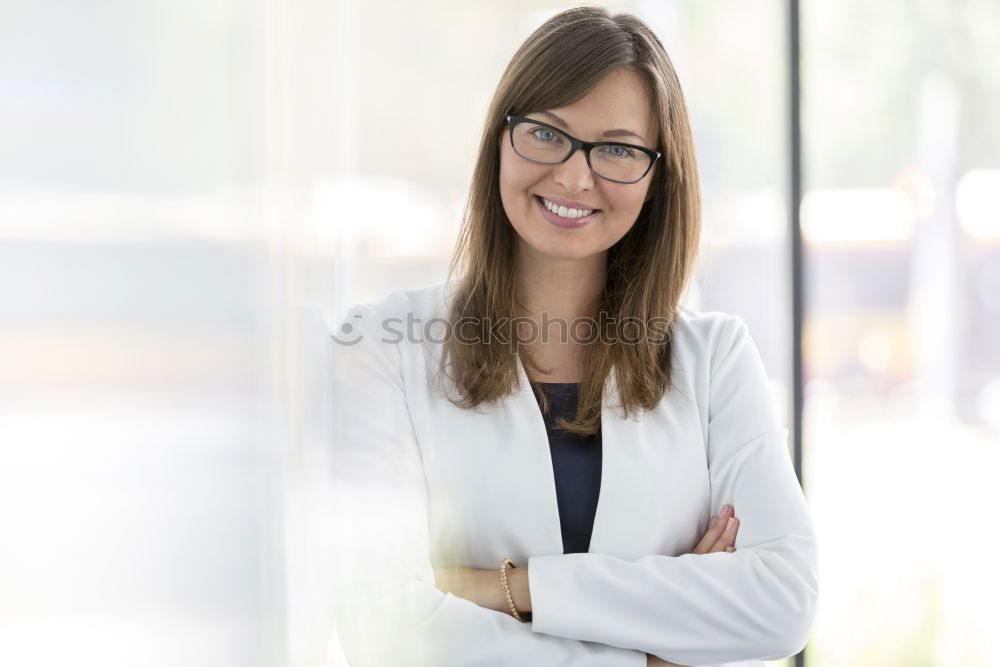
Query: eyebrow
[[610, 133]]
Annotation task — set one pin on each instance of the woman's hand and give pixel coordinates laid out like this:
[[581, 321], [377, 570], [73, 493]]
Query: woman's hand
[[483, 586], [720, 536]]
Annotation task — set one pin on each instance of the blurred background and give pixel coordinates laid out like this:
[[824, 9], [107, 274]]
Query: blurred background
[[192, 193]]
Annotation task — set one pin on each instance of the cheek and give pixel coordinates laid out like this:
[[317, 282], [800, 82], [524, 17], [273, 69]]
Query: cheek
[[626, 203], [513, 191], [514, 176], [625, 207], [508, 182], [507, 175]]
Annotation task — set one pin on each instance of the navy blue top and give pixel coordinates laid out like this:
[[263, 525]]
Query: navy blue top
[[576, 462]]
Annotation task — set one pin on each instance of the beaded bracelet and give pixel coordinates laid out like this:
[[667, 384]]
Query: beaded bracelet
[[506, 591]]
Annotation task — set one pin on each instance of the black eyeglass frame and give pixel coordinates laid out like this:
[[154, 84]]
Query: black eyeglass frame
[[576, 144]]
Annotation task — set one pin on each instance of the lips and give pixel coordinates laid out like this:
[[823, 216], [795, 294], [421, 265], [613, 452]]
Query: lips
[[567, 204], [559, 221]]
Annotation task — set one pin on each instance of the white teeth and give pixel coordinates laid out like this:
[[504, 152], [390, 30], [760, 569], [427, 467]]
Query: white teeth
[[564, 212]]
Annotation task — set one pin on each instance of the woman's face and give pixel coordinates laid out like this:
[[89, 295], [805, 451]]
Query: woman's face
[[618, 102]]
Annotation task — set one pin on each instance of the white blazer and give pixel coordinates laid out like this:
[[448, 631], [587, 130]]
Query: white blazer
[[421, 483]]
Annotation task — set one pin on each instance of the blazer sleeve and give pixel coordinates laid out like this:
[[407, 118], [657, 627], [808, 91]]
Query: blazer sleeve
[[387, 609], [757, 603]]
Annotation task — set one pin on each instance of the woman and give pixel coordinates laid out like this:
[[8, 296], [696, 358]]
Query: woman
[[507, 497]]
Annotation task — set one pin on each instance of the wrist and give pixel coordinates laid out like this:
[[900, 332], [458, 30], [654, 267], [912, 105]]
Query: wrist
[[519, 588], [514, 585]]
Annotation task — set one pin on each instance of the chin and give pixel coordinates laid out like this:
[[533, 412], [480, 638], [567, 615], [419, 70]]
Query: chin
[[555, 250]]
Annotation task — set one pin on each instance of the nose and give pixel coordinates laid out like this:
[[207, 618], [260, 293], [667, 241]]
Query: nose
[[574, 174]]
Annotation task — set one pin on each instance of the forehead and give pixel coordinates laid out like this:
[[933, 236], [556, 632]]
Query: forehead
[[619, 101]]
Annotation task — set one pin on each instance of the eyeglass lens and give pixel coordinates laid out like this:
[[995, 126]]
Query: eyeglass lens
[[543, 144]]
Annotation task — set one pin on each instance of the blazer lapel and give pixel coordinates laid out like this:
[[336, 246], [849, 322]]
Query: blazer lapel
[[614, 466]]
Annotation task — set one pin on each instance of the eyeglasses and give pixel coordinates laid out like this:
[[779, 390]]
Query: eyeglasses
[[542, 143]]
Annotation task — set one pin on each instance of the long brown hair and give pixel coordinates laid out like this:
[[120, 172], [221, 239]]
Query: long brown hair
[[647, 269]]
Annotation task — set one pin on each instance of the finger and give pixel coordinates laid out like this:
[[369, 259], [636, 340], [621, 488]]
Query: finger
[[711, 536], [701, 546], [728, 537], [725, 537], [714, 531]]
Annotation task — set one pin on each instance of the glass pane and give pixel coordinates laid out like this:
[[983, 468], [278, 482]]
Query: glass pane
[[140, 337], [902, 340], [735, 88]]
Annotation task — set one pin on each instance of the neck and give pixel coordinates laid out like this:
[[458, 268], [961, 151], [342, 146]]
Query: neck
[[566, 288]]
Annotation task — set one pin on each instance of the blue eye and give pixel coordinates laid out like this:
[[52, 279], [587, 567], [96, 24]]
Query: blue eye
[[538, 131], [618, 151]]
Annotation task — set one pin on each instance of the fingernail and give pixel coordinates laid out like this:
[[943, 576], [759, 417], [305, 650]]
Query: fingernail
[[726, 508], [730, 523]]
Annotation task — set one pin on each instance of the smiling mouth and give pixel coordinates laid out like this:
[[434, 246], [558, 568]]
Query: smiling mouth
[[593, 211]]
